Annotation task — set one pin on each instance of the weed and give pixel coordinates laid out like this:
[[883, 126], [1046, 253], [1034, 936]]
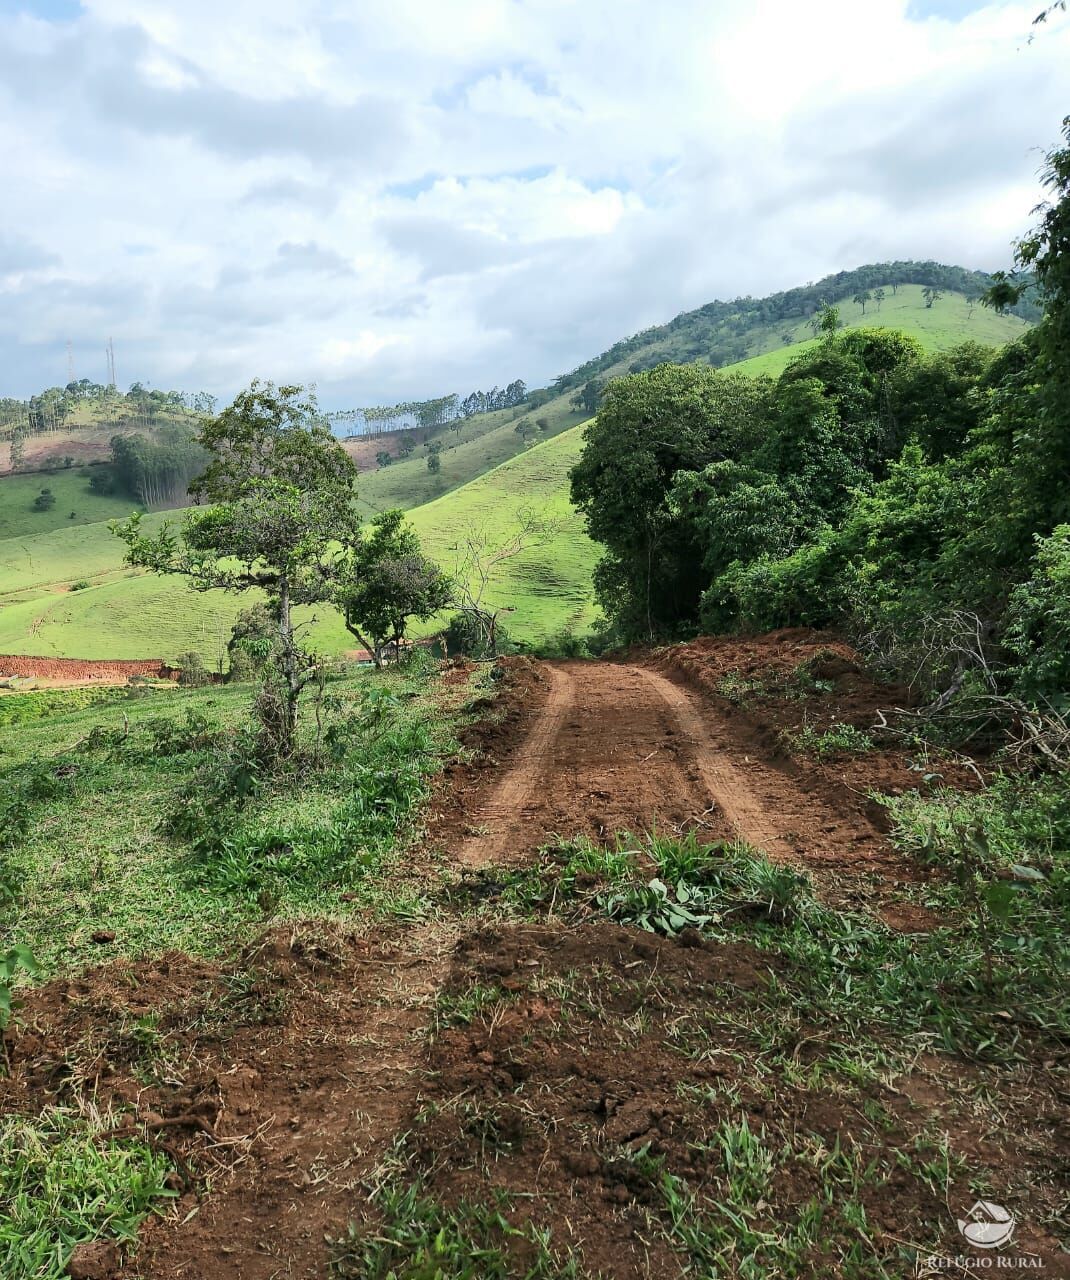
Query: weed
[[418, 1238], [738, 689], [11, 961], [657, 907], [838, 739], [63, 1182]]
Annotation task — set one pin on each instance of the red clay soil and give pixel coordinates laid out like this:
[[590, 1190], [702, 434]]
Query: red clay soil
[[78, 669], [362, 449], [284, 1076]]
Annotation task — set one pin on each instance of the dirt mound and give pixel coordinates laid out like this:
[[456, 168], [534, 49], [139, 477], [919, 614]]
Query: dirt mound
[[794, 675], [78, 669], [279, 1077]]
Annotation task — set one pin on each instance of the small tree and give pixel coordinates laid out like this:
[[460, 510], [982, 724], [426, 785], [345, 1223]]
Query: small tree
[[384, 458], [862, 297], [44, 501], [931, 295], [878, 297], [18, 448], [434, 457], [478, 556], [828, 322], [385, 583], [282, 492]]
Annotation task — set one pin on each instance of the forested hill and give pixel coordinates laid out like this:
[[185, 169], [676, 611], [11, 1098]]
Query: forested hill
[[721, 333]]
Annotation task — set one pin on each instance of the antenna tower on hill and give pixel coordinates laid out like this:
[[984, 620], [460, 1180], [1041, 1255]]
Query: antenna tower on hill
[[70, 362], [111, 363]]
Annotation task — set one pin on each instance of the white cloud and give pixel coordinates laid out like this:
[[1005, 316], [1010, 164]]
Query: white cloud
[[405, 197]]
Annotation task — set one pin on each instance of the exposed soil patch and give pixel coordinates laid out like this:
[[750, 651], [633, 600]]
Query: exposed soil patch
[[280, 1078], [627, 1092]]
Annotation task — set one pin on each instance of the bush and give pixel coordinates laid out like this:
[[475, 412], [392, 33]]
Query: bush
[[192, 673], [44, 501], [464, 637], [1038, 632]]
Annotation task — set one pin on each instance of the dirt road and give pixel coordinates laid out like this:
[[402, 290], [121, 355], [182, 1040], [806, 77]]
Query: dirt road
[[304, 1094], [621, 747]]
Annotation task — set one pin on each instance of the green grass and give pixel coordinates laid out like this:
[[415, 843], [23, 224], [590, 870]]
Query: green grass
[[126, 614], [86, 794], [62, 1182], [946, 324], [986, 982], [18, 518], [484, 442], [417, 1238]]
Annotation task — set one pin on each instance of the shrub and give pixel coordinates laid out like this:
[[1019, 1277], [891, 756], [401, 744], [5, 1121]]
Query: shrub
[[464, 637], [192, 673], [1038, 632]]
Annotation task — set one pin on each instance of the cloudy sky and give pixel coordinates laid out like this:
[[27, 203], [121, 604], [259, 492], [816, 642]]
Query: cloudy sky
[[398, 198]]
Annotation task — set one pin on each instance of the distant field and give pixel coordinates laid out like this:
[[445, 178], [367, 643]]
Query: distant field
[[946, 324], [75, 505], [486, 477], [133, 615]]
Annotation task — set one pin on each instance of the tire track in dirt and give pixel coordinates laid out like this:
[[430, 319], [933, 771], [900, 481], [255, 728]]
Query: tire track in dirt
[[728, 787], [499, 814]]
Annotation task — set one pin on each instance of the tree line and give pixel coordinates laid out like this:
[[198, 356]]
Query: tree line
[[716, 330], [374, 420], [920, 502]]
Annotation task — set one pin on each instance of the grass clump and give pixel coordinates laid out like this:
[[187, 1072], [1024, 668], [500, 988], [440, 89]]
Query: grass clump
[[419, 1238], [64, 1182], [985, 982], [175, 832], [838, 739]]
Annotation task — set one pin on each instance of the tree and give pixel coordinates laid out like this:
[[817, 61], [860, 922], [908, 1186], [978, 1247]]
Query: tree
[[18, 447], [878, 297], [828, 321], [384, 458], [406, 444], [280, 491], [434, 457], [526, 430], [385, 582], [589, 396], [931, 295], [44, 501], [650, 426], [477, 557], [862, 296]]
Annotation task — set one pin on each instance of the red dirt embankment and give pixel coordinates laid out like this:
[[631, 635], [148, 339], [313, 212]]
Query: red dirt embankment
[[83, 669]]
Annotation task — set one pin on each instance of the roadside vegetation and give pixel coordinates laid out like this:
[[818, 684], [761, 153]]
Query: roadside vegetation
[[652, 1052]]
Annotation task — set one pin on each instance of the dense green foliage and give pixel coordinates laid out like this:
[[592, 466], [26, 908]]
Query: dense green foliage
[[385, 582], [722, 332], [921, 501], [156, 472], [282, 494]]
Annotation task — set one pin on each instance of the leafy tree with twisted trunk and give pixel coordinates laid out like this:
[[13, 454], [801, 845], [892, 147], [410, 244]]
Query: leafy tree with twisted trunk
[[278, 495]]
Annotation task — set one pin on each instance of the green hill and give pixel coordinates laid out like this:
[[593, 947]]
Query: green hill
[[487, 476], [126, 614]]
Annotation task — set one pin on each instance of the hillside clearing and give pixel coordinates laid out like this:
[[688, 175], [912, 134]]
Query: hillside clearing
[[486, 1054]]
